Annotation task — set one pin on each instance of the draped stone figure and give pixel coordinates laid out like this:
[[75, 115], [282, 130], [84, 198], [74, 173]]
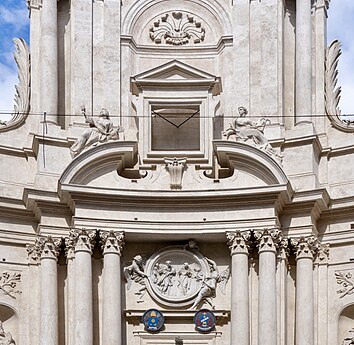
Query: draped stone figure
[[101, 130]]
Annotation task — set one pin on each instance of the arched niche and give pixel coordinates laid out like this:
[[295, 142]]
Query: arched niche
[[345, 322], [143, 14], [9, 320]]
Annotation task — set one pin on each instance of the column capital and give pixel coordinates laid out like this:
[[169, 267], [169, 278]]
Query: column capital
[[80, 240], [305, 247], [238, 241], [112, 242], [268, 239], [49, 247], [33, 253], [322, 256]]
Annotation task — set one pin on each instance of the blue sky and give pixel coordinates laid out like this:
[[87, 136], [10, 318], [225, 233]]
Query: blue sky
[[14, 22]]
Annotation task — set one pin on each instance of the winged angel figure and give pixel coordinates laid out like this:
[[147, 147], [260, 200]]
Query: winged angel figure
[[207, 292]]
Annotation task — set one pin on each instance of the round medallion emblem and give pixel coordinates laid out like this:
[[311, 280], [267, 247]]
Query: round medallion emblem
[[153, 320], [204, 320], [176, 275]]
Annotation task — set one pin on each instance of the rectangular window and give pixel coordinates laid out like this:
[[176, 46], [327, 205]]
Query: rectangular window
[[175, 127]]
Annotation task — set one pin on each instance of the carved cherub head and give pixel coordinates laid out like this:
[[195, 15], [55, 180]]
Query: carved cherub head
[[138, 258]]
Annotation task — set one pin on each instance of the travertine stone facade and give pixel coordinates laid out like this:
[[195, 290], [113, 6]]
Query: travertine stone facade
[[177, 155]]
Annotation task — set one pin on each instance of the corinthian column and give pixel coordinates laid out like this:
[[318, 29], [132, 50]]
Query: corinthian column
[[304, 250], [83, 241], [303, 61], [268, 241], [240, 324], [49, 60], [49, 251], [112, 245]]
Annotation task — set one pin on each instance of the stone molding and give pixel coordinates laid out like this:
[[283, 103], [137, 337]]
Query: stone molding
[[81, 240], [268, 240], [112, 242], [305, 247], [238, 241]]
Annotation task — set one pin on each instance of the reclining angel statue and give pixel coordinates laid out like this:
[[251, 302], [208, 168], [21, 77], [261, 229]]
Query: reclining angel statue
[[101, 130]]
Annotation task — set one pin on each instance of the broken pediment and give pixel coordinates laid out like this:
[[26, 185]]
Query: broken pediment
[[175, 74]]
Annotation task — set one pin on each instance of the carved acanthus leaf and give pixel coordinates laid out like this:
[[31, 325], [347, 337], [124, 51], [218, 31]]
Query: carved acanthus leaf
[[332, 91], [176, 168], [268, 239], [238, 241], [112, 241], [48, 246], [81, 240], [23, 89], [305, 247], [8, 284]]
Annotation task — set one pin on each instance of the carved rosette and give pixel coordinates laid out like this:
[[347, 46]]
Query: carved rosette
[[81, 240], [305, 247], [268, 240], [177, 28], [238, 241], [112, 242]]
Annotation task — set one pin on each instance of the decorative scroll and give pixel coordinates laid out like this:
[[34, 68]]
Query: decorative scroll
[[332, 91], [177, 28], [347, 283], [8, 284], [23, 89]]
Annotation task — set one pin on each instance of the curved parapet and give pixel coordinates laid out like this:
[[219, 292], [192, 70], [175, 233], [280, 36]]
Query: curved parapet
[[240, 156]]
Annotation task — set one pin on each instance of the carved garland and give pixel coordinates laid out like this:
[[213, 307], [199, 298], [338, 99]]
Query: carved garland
[[177, 29], [332, 91], [23, 89]]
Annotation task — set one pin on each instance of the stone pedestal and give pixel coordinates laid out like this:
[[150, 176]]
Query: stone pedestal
[[240, 323], [112, 243]]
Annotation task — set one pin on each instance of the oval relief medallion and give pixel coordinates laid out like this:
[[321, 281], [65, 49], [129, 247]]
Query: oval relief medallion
[[176, 275]]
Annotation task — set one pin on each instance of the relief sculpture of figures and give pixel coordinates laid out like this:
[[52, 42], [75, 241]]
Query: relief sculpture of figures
[[5, 337], [135, 273], [101, 130], [208, 290], [349, 339], [251, 132]]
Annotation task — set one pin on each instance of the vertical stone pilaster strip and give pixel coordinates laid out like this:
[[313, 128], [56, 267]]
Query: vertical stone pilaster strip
[[84, 242], [49, 323], [304, 310], [303, 61], [268, 241], [240, 319], [49, 60], [112, 246]]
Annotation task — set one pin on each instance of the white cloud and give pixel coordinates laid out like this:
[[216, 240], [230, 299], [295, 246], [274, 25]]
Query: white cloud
[[16, 17]]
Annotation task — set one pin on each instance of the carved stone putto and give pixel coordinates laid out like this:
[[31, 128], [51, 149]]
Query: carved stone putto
[[8, 284], [177, 28], [175, 167]]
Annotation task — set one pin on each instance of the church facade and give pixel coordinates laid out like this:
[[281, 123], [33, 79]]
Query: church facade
[[177, 172]]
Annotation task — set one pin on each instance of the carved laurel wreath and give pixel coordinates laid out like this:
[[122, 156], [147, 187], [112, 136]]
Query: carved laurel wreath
[[177, 28]]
